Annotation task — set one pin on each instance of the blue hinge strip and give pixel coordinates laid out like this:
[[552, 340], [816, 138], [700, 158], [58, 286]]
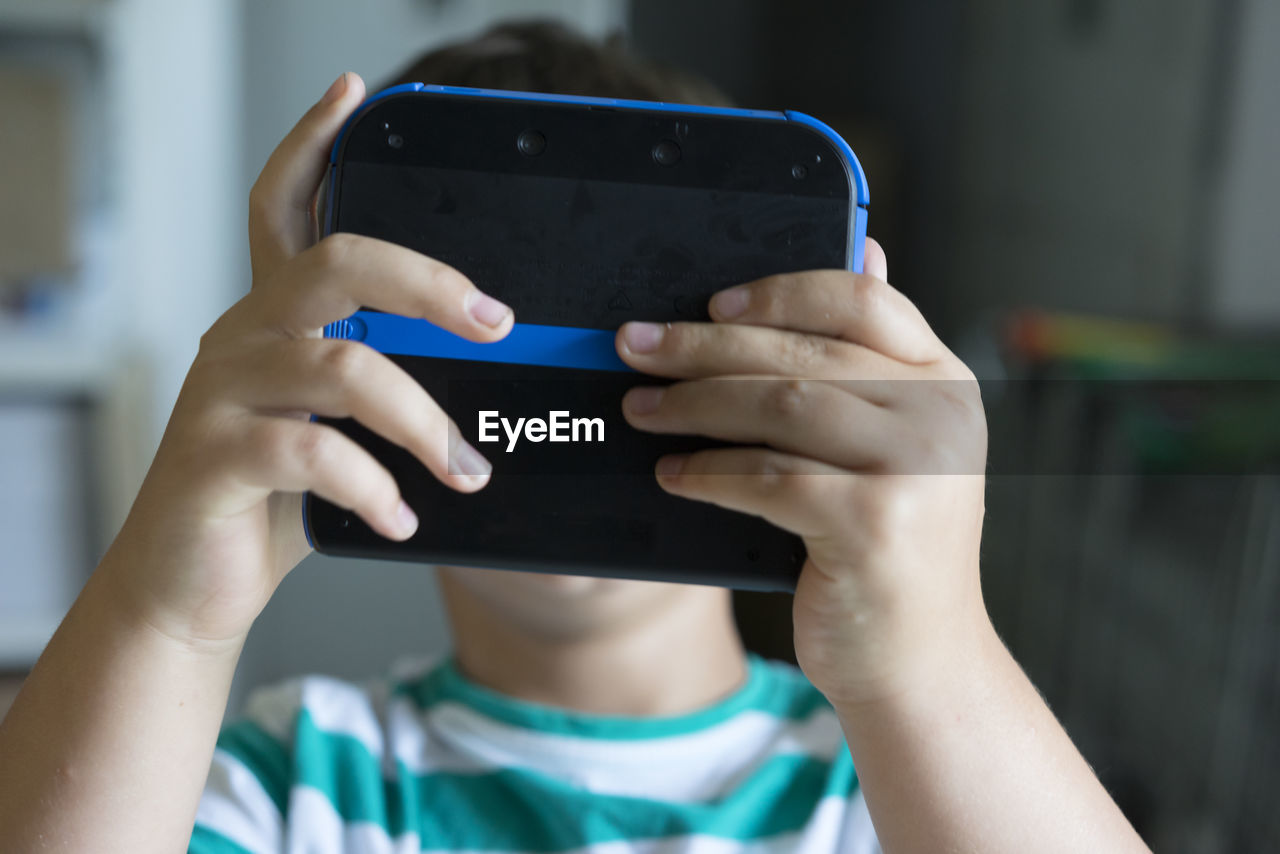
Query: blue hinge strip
[[525, 344]]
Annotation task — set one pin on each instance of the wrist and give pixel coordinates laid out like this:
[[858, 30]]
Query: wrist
[[130, 604], [903, 643], [952, 671]]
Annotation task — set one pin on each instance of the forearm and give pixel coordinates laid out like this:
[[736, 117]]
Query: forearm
[[108, 745], [973, 760]]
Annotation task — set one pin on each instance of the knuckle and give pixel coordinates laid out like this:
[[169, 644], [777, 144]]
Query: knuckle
[[269, 440], [442, 285], [781, 482], [441, 276], [314, 448], [941, 449], [868, 293], [258, 449], [200, 444], [774, 476], [960, 402], [768, 300], [954, 400], [932, 454], [827, 490], [787, 399], [804, 352], [343, 362], [335, 249]]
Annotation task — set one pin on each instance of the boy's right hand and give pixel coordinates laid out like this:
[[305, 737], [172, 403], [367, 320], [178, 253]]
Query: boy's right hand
[[218, 520]]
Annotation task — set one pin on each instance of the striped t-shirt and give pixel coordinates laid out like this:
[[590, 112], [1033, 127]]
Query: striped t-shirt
[[427, 760]]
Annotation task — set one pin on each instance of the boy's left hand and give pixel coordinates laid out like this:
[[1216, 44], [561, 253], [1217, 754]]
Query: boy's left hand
[[864, 435]]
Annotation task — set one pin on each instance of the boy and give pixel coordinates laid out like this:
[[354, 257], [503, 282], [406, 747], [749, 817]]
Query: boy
[[574, 713]]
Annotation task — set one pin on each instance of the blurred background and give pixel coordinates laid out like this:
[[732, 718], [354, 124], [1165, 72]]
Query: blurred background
[[1083, 196]]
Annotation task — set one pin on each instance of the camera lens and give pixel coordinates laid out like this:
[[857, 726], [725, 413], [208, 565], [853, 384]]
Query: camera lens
[[395, 140], [799, 171], [666, 153], [531, 143]]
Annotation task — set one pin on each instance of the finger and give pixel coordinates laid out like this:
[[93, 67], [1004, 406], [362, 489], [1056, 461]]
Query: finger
[[346, 379], [806, 417], [344, 272], [858, 308], [801, 495], [289, 455], [874, 262], [688, 350], [280, 200]]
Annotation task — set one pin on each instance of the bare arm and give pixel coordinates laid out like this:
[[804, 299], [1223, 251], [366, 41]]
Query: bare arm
[[107, 746], [973, 760], [109, 743]]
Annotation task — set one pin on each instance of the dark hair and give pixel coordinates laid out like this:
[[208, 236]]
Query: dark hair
[[547, 56]]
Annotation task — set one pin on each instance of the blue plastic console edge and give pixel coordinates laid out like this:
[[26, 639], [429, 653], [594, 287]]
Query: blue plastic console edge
[[861, 189]]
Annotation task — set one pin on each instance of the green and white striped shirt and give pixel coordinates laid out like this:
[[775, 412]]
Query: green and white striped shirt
[[426, 760]]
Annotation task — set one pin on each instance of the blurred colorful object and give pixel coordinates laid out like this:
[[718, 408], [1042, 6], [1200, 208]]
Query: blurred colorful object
[[1110, 347], [1204, 403]]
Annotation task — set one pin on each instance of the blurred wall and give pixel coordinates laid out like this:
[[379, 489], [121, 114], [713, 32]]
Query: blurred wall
[[1248, 183], [173, 92], [1082, 156]]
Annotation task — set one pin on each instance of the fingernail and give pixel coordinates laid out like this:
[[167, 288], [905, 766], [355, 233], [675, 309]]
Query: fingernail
[[467, 460], [671, 465], [731, 302], [336, 89], [486, 309], [643, 400], [406, 519], [643, 337]]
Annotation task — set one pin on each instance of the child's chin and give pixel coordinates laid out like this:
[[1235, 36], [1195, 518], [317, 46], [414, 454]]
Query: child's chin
[[577, 585], [541, 583], [556, 605]]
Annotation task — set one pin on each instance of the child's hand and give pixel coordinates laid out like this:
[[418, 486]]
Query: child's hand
[[875, 444], [218, 520]]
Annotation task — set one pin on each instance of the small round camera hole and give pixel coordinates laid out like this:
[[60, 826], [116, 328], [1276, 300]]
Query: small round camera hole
[[531, 143], [799, 171], [395, 140], [666, 153]]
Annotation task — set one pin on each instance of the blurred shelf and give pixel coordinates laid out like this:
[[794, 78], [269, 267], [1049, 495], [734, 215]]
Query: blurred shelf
[[66, 15], [23, 638], [52, 364]]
